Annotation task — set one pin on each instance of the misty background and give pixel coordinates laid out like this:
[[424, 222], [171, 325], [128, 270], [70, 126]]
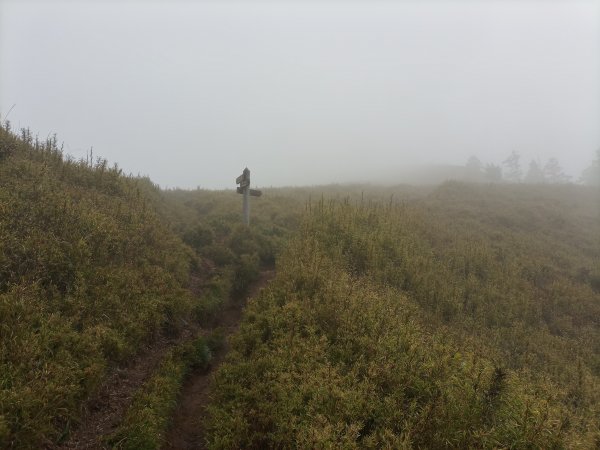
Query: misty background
[[189, 93]]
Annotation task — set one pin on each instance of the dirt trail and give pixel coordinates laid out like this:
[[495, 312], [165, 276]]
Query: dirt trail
[[104, 411], [187, 430]]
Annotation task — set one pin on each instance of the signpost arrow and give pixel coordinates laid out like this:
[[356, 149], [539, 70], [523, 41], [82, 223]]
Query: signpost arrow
[[253, 192]]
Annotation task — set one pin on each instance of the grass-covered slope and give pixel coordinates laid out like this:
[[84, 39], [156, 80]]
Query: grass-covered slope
[[466, 319], [88, 274]]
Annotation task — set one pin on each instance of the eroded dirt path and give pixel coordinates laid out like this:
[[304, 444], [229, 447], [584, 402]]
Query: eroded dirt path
[[104, 411], [187, 428]]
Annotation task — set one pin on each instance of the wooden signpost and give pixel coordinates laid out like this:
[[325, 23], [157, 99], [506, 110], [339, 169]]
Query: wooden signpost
[[244, 188]]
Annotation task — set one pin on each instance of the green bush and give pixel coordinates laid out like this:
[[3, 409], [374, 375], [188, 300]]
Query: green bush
[[246, 270], [219, 254], [199, 237], [325, 360]]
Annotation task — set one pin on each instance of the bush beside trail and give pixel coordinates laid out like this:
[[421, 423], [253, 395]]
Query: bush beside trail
[[426, 325], [88, 275]]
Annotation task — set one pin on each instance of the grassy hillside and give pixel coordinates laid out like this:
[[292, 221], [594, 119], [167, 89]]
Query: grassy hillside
[[95, 265], [467, 318], [88, 274], [451, 317]]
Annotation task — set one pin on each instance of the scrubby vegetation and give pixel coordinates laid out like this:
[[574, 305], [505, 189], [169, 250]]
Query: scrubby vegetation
[[466, 319], [92, 268], [462, 316], [88, 274], [147, 419]]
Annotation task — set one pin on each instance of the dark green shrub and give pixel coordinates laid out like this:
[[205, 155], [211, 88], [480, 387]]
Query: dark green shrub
[[247, 268], [242, 241], [199, 237], [219, 254]]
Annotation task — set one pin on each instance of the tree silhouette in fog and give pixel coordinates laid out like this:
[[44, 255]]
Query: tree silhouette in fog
[[535, 174], [591, 175], [553, 173], [513, 167]]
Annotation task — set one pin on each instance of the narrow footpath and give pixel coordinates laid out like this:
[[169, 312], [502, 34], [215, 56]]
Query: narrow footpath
[[187, 427], [104, 412]]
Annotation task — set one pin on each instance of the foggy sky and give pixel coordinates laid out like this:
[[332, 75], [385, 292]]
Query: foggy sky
[[189, 93]]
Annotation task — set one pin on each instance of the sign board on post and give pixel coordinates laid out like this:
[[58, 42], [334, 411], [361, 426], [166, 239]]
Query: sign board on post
[[253, 192], [244, 188]]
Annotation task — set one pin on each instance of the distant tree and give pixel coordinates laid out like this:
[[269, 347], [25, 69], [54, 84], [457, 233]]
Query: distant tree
[[493, 173], [513, 167], [474, 168], [591, 175], [553, 172], [474, 164], [535, 174]]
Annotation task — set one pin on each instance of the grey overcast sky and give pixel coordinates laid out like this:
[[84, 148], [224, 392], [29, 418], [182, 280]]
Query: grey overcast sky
[[304, 92]]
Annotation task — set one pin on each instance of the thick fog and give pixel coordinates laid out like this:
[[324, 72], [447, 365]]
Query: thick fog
[[306, 92]]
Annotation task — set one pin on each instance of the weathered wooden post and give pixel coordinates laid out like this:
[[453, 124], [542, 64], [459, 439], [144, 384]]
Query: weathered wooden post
[[244, 188]]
